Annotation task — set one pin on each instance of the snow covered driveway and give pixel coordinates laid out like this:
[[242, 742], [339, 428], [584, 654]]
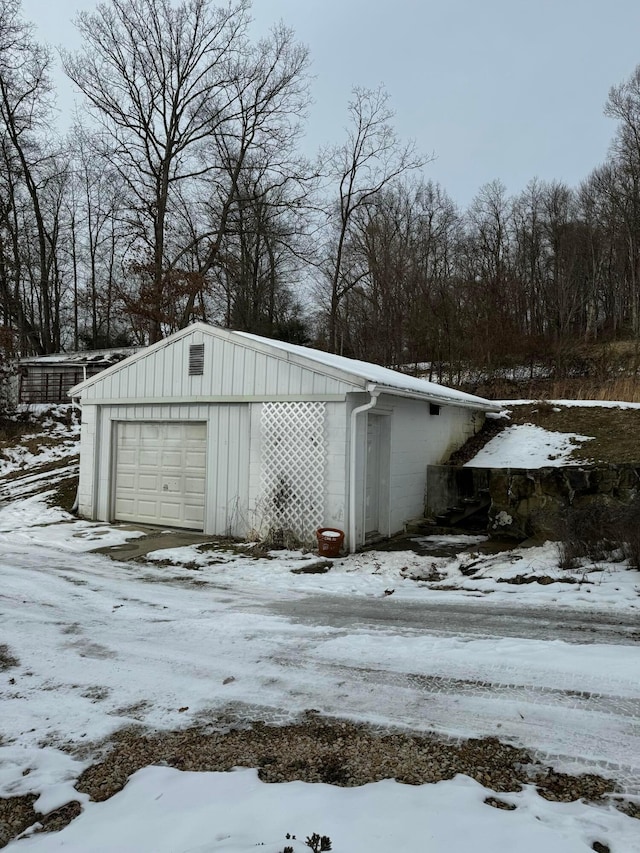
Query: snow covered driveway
[[463, 644], [99, 644], [577, 704]]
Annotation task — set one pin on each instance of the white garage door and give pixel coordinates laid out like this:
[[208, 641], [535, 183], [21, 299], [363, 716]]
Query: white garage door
[[160, 473]]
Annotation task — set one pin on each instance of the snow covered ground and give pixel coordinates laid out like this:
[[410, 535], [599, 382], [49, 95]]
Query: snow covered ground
[[163, 810], [532, 447], [93, 644]]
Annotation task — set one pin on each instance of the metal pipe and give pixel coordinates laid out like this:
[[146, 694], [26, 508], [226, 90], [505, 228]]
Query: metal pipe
[[75, 401], [374, 393]]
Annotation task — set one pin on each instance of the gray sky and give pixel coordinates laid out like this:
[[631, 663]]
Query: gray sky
[[509, 89]]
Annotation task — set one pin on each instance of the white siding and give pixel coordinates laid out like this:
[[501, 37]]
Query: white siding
[[419, 439], [228, 470], [337, 466], [415, 439], [86, 485], [231, 369]]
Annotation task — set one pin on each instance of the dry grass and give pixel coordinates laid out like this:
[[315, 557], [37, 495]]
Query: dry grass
[[615, 432], [620, 389]]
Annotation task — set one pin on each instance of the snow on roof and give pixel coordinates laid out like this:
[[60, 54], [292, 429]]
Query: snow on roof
[[103, 356], [379, 375]]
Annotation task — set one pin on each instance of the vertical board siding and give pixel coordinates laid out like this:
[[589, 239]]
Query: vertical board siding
[[228, 470], [255, 456], [336, 478], [87, 450], [230, 369]]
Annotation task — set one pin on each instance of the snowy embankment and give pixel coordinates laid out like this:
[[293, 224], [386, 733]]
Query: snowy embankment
[[531, 446], [92, 645]]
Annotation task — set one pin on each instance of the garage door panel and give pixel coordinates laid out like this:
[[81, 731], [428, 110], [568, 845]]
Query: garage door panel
[[127, 481], [173, 458], [195, 458], [148, 482], [194, 485], [195, 515], [149, 432], [126, 505], [149, 458], [196, 432], [171, 511], [160, 473]]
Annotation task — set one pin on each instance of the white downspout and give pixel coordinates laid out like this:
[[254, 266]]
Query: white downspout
[[375, 393], [75, 401]]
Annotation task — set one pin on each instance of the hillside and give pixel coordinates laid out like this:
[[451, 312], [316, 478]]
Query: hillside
[[609, 431]]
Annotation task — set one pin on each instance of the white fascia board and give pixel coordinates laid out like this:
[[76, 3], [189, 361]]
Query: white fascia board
[[204, 400], [441, 400]]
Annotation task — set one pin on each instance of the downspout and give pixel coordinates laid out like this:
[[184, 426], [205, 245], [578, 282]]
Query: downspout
[[375, 393], [75, 401]]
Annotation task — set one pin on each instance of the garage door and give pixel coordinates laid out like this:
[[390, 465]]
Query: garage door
[[160, 473]]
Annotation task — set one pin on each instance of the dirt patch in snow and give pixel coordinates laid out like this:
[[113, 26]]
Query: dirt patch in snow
[[543, 580], [7, 660]]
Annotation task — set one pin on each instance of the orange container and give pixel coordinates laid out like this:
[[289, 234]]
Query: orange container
[[330, 541]]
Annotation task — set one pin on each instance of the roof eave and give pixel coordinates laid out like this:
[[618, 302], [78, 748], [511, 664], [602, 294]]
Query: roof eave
[[478, 404]]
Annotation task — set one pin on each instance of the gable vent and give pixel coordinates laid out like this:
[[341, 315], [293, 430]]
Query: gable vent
[[196, 359]]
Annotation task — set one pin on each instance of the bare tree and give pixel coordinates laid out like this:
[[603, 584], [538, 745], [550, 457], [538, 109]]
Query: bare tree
[[623, 104], [31, 171], [157, 76], [95, 204], [255, 155], [371, 157], [188, 103]]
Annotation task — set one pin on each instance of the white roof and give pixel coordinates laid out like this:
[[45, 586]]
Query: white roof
[[378, 375], [390, 381]]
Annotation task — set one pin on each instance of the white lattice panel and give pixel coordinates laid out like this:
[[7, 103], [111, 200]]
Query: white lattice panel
[[293, 467]]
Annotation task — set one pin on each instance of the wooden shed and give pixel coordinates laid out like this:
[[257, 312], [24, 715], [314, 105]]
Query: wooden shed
[[234, 434], [48, 378]]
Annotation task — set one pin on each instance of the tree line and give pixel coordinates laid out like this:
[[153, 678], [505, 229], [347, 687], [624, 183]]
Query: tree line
[[184, 194]]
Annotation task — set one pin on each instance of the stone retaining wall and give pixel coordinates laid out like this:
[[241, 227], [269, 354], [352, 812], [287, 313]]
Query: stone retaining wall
[[530, 502]]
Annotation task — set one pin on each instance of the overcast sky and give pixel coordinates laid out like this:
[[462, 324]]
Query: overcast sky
[[508, 89]]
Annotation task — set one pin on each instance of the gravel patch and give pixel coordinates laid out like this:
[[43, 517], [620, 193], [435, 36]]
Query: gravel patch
[[315, 750]]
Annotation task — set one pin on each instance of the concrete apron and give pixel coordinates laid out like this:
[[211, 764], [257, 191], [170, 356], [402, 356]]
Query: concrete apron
[[153, 539]]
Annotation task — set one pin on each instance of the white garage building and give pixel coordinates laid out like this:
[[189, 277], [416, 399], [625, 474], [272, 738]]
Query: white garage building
[[232, 434]]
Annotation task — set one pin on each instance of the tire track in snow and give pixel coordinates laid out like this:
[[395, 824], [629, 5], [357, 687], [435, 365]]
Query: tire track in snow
[[588, 730]]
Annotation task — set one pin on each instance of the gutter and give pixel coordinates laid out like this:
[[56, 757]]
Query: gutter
[[374, 392], [440, 400]]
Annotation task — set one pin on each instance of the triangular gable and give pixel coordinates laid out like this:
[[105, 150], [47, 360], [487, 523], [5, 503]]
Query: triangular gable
[[236, 366]]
